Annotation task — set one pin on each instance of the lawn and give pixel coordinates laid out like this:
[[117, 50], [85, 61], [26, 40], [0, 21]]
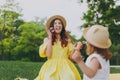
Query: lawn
[[9, 70]]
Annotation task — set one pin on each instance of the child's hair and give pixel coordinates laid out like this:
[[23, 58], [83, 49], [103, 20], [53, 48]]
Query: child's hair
[[63, 34], [105, 53]]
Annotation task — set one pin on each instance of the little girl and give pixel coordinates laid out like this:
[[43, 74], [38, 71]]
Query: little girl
[[97, 66]]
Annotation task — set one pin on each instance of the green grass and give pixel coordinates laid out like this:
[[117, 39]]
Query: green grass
[[115, 70], [9, 70]]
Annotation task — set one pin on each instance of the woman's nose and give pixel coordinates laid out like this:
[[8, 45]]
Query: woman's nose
[[57, 24]]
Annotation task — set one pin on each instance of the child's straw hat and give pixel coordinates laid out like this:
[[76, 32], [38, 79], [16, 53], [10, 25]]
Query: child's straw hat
[[98, 36]]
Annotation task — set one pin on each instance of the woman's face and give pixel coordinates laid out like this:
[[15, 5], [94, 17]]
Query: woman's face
[[57, 26]]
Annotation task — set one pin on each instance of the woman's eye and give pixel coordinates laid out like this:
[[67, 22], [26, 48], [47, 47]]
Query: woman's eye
[[59, 22]]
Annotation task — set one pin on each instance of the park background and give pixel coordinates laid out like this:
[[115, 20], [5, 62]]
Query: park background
[[20, 38]]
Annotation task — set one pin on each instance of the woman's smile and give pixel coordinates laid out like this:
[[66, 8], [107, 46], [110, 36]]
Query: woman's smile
[[57, 26]]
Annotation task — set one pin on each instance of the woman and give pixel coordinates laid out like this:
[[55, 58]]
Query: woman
[[57, 47], [97, 66]]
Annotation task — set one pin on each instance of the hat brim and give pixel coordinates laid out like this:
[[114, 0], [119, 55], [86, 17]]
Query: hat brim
[[85, 31], [91, 41], [54, 17]]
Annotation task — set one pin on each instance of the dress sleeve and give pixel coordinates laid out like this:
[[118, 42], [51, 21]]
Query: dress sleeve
[[42, 49], [70, 45]]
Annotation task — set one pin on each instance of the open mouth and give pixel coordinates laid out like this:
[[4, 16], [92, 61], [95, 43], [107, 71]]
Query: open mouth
[[57, 28]]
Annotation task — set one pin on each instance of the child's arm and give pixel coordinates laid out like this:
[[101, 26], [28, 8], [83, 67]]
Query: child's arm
[[88, 71]]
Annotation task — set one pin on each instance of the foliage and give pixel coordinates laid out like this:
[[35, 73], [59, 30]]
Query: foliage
[[106, 13], [30, 37], [8, 15], [19, 40], [116, 56]]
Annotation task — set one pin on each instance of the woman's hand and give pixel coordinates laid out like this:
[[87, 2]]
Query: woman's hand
[[48, 32]]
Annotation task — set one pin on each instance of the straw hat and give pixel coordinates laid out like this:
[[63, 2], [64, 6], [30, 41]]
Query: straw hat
[[54, 17], [98, 36]]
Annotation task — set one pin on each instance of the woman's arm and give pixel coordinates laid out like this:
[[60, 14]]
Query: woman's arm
[[49, 48], [49, 41]]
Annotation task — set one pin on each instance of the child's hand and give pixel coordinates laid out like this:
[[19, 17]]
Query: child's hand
[[79, 46], [76, 56]]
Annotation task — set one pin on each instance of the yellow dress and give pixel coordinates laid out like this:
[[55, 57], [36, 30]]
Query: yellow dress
[[58, 67]]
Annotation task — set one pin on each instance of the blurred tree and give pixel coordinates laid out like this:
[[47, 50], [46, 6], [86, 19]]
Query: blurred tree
[[106, 13], [29, 40], [8, 15]]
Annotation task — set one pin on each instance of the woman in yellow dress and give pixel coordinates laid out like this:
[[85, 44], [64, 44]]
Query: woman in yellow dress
[[57, 47]]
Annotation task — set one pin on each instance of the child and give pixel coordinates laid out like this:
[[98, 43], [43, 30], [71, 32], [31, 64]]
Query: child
[[57, 47], [97, 66]]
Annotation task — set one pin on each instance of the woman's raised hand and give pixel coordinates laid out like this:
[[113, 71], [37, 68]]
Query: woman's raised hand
[[48, 32]]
